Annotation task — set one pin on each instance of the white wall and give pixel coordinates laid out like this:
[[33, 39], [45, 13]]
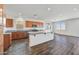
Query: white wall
[[72, 28]]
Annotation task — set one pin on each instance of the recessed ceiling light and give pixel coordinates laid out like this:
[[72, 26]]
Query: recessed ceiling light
[[49, 9], [75, 9]]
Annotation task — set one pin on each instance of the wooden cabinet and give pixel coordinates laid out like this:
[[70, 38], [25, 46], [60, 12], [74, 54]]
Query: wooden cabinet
[[19, 35], [1, 5], [29, 24], [9, 22], [14, 35], [7, 41], [1, 11]]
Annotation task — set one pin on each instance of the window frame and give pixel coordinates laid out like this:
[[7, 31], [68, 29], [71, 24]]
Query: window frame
[[61, 25]]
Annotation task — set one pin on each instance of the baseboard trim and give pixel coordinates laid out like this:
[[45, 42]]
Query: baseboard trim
[[66, 35]]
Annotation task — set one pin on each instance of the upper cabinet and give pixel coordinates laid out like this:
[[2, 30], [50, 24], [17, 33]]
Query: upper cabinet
[[1, 9], [28, 24], [9, 22], [37, 24]]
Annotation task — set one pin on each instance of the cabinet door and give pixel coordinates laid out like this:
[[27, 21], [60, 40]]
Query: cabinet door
[[21, 35], [28, 24], [1, 5], [18, 35], [9, 22], [7, 41], [14, 35]]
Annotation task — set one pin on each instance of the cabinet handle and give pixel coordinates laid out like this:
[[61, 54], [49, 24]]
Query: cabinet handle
[[34, 35], [45, 33]]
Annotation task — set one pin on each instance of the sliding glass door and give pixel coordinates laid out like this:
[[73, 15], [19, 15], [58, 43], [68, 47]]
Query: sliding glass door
[[60, 26]]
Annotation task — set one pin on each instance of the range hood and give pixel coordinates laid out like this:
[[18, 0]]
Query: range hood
[[19, 22]]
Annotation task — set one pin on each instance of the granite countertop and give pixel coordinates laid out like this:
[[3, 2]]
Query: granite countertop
[[39, 32], [10, 31], [29, 31]]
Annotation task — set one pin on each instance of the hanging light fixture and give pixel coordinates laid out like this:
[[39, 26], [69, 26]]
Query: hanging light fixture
[[49, 9]]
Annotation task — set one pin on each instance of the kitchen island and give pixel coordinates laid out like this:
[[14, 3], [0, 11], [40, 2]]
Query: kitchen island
[[38, 41]]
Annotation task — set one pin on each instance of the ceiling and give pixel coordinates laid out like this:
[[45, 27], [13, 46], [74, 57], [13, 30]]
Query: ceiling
[[48, 12]]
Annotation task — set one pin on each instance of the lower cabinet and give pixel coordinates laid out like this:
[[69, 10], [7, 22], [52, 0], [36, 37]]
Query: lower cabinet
[[19, 35], [7, 41]]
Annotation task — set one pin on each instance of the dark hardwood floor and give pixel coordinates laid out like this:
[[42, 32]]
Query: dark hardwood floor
[[19, 47], [61, 45]]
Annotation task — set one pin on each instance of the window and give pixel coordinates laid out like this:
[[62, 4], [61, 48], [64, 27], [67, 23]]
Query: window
[[60, 25]]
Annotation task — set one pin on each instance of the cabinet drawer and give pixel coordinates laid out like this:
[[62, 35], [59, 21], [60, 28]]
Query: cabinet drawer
[[19, 35]]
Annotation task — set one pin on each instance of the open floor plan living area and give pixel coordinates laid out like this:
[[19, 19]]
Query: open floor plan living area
[[39, 29]]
